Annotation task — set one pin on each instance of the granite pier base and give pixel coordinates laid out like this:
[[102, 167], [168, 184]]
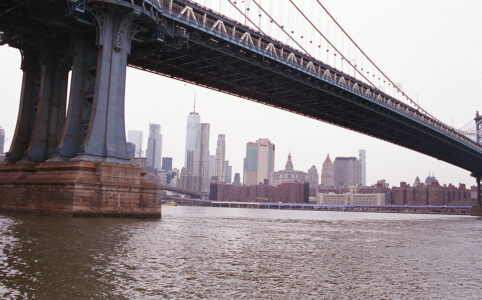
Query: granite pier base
[[78, 188]]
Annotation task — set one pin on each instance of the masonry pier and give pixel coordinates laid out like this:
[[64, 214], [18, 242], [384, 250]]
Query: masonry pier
[[75, 161]]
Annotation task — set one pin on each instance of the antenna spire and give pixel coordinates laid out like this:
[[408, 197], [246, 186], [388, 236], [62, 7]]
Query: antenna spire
[[194, 108]]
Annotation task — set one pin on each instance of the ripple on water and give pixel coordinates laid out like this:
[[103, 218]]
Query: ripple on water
[[196, 252]]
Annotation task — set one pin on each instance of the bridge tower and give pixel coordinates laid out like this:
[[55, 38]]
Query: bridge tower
[[478, 137], [76, 161], [478, 128]]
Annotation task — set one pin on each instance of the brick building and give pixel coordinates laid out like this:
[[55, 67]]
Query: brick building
[[428, 193], [433, 194], [290, 192]]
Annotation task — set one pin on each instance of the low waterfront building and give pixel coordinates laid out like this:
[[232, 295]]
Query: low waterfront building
[[290, 192], [353, 197], [432, 193]]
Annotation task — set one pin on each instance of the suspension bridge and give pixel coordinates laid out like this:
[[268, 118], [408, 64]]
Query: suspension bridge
[[244, 50]]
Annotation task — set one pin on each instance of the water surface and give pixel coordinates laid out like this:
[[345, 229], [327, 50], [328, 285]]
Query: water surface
[[226, 253]]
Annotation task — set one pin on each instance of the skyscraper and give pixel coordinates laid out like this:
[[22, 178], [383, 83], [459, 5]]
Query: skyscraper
[[131, 150], [2, 140], [219, 159], [362, 156], [259, 164], [193, 120], [201, 156], [167, 163], [237, 179], [227, 172], [327, 173], [154, 148], [135, 137], [347, 171], [212, 158], [313, 178]]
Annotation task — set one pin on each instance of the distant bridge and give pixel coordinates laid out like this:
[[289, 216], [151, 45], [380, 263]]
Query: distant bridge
[[181, 191]]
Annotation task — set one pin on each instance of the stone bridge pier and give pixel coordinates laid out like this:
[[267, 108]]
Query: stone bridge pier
[[71, 156]]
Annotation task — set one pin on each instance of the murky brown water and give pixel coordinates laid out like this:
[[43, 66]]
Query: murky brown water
[[228, 253]]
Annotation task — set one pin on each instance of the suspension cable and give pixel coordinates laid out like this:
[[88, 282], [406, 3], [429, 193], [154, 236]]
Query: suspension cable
[[281, 27], [331, 44], [366, 56], [418, 107], [246, 17]]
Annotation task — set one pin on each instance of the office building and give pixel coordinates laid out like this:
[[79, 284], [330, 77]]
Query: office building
[[189, 182], [259, 164], [353, 197], [362, 156], [131, 150], [347, 171], [244, 170], [135, 137], [154, 148], [288, 174], [219, 159], [237, 179], [327, 173], [289, 192], [2, 141], [212, 160], [193, 120], [201, 161], [167, 163], [227, 172], [313, 178]]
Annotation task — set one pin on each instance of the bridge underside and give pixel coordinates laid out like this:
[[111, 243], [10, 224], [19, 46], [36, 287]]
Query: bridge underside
[[96, 40], [221, 66]]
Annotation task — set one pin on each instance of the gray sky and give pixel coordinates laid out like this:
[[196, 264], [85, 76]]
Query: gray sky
[[432, 47]]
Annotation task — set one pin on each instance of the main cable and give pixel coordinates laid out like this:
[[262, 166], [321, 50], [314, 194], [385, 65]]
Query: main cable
[[368, 58], [330, 43]]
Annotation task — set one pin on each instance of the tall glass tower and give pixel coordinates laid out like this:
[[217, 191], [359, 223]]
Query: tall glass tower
[[193, 120]]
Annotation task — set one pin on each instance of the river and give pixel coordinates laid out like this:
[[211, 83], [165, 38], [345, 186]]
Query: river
[[233, 253]]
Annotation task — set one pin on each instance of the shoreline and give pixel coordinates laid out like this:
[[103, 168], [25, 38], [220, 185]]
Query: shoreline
[[426, 209]]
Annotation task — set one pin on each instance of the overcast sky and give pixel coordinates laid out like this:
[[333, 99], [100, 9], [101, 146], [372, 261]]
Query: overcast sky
[[432, 47]]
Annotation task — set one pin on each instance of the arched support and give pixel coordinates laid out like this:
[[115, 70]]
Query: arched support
[[28, 105], [81, 98], [55, 66]]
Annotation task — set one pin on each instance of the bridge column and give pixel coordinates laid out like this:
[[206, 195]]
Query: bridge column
[[479, 192], [89, 173], [81, 98], [105, 137], [52, 98], [28, 104], [477, 209]]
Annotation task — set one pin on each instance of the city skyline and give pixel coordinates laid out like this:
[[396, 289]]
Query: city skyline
[[155, 99]]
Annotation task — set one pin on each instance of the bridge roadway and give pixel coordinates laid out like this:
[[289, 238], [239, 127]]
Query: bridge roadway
[[181, 191], [183, 40]]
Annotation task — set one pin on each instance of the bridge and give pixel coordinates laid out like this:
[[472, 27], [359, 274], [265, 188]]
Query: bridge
[[181, 191], [98, 39]]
